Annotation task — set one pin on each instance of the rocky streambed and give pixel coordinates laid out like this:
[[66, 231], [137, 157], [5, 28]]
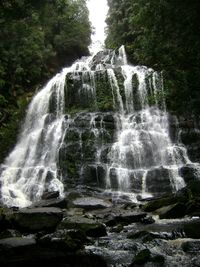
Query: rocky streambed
[[89, 228]]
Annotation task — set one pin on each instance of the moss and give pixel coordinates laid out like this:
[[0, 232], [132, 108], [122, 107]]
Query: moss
[[104, 97], [89, 229], [158, 203], [142, 257]]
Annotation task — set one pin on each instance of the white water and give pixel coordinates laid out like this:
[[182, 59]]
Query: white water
[[142, 139], [143, 143], [31, 168]]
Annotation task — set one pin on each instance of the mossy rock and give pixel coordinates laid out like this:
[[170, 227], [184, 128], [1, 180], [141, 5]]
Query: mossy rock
[[145, 236], [4, 223], [192, 229], [174, 211], [88, 227], [145, 256], [141, 258], [194, 188], [32, 220], [158, 203]]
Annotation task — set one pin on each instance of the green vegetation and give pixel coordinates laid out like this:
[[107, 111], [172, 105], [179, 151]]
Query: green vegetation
[[37, 39], [164, 35]]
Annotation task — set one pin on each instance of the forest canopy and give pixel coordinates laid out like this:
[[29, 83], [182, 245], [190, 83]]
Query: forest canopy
[[164, 35], [38, 38]]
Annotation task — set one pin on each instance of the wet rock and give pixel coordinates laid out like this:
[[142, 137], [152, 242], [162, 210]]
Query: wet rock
[[91, 203], [146, 236], [191, 246], [145, 256], [174, 211], [2, 220], [16, 242], [189, 173], [158, 203], [143, 235], [8, 233], [125, 218], [66, 240], [25, 252], [141, 258], [49, 195], [117, 229], [194, 188], [94, 175], [192, 229], [147, 220], [58, 203], [89, 227], [158, 181], [36, 219]]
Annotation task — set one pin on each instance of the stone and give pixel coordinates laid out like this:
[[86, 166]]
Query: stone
[[158, 181], [94, 175], [174, 211], [125, 218], [91, 203], [2, 220], [10, 233], [36, 219], [192, 229], [189, 173], [191, 246], [65, 240], [49, 195], [57, 202], [16, 242], [89, 227], [194, 188], [23, 252], [145, 256], [141, 258], [158, 203]]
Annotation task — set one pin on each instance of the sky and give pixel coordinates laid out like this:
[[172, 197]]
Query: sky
[[98, 10]]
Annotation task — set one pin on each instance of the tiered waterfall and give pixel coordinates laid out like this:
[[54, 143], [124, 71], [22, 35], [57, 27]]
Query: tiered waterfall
[[100, 123]]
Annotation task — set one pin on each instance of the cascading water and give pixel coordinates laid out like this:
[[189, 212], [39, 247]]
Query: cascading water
[[143, 148], [101, 122]]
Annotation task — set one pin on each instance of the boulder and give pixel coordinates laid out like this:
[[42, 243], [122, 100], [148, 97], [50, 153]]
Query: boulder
[[191, 246], [145, 256], [141, 258], [146, 236], [16, 243], [89, 227], [158, 181], [49, 195], [125, 218], [36, 219], [174, 211], [4, 224], [91, 203], [192, 229], [52, 202], [23, 252], [189, 173], [159, 203]]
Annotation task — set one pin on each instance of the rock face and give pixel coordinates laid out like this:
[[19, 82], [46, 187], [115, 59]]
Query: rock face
[[36, 219], [100, 123], [91, 203]]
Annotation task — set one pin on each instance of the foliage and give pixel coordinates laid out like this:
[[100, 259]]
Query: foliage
[[162, 34], [37, 39]]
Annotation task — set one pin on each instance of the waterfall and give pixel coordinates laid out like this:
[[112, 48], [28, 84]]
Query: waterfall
[[100, 122]]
